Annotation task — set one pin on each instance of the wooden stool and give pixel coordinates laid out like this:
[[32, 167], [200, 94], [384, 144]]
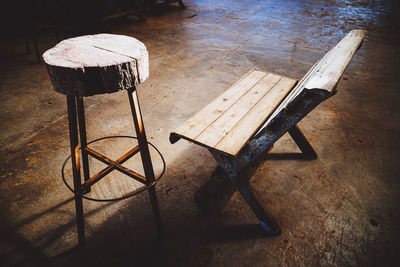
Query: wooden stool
[[98, 64]]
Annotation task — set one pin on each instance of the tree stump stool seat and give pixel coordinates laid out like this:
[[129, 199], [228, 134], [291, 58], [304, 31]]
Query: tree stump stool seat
[[97, 64]]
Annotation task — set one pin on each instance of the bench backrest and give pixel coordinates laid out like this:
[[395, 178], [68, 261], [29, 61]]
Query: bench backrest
[[325, 74]]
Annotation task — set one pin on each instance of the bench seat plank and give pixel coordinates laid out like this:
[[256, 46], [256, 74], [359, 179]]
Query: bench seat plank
[[221, 126], [228, 122], [195, 125], [257, 115]]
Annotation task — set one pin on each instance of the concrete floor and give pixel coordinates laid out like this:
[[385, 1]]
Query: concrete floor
[[339, 210]]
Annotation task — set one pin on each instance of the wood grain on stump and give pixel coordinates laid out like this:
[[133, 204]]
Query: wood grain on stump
[[97, 64]]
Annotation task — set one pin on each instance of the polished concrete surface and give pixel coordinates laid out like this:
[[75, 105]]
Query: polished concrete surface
[[339, 210]]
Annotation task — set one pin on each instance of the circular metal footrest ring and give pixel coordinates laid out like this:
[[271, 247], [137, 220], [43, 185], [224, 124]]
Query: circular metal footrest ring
[[135, 192]]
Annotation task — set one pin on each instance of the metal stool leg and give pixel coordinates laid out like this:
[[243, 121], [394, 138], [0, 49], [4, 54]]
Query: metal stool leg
[[144, 153], [73, 135], [156, 209], [82, 134]]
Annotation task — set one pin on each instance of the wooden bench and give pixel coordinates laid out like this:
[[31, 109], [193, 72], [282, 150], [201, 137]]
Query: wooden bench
[[241, 125]]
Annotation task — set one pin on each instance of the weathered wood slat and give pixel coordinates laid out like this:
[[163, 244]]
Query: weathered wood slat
[[97, 64], [245, 129], [216, 131], [211, 126], [329, 73], [325, 74], [195, 125]]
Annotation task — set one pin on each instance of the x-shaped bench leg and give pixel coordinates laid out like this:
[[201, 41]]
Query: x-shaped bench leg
[[239, 171], [240, 168], [241, 184]]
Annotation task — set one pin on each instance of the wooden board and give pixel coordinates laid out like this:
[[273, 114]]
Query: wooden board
[[195, 125], [232, 118], [233, 142], [331, 68], [96, 64], [326, 73]]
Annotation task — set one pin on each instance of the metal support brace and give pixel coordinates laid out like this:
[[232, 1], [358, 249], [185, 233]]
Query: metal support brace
[[240, 168], [240, 178]]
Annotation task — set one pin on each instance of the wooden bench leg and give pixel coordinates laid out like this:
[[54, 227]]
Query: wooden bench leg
[[241, 183], [302, 142]]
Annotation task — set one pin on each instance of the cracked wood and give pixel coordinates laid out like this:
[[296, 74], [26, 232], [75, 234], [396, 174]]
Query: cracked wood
[[97, 64]]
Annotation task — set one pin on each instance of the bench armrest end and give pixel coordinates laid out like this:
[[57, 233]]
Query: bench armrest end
[[173, 138]]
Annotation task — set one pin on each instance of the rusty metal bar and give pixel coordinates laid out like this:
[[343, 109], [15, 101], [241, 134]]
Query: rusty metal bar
[[128, 155], [83, 139], [73, 135], [109, 169], [116, 165], [144, 153], [97, 177]]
